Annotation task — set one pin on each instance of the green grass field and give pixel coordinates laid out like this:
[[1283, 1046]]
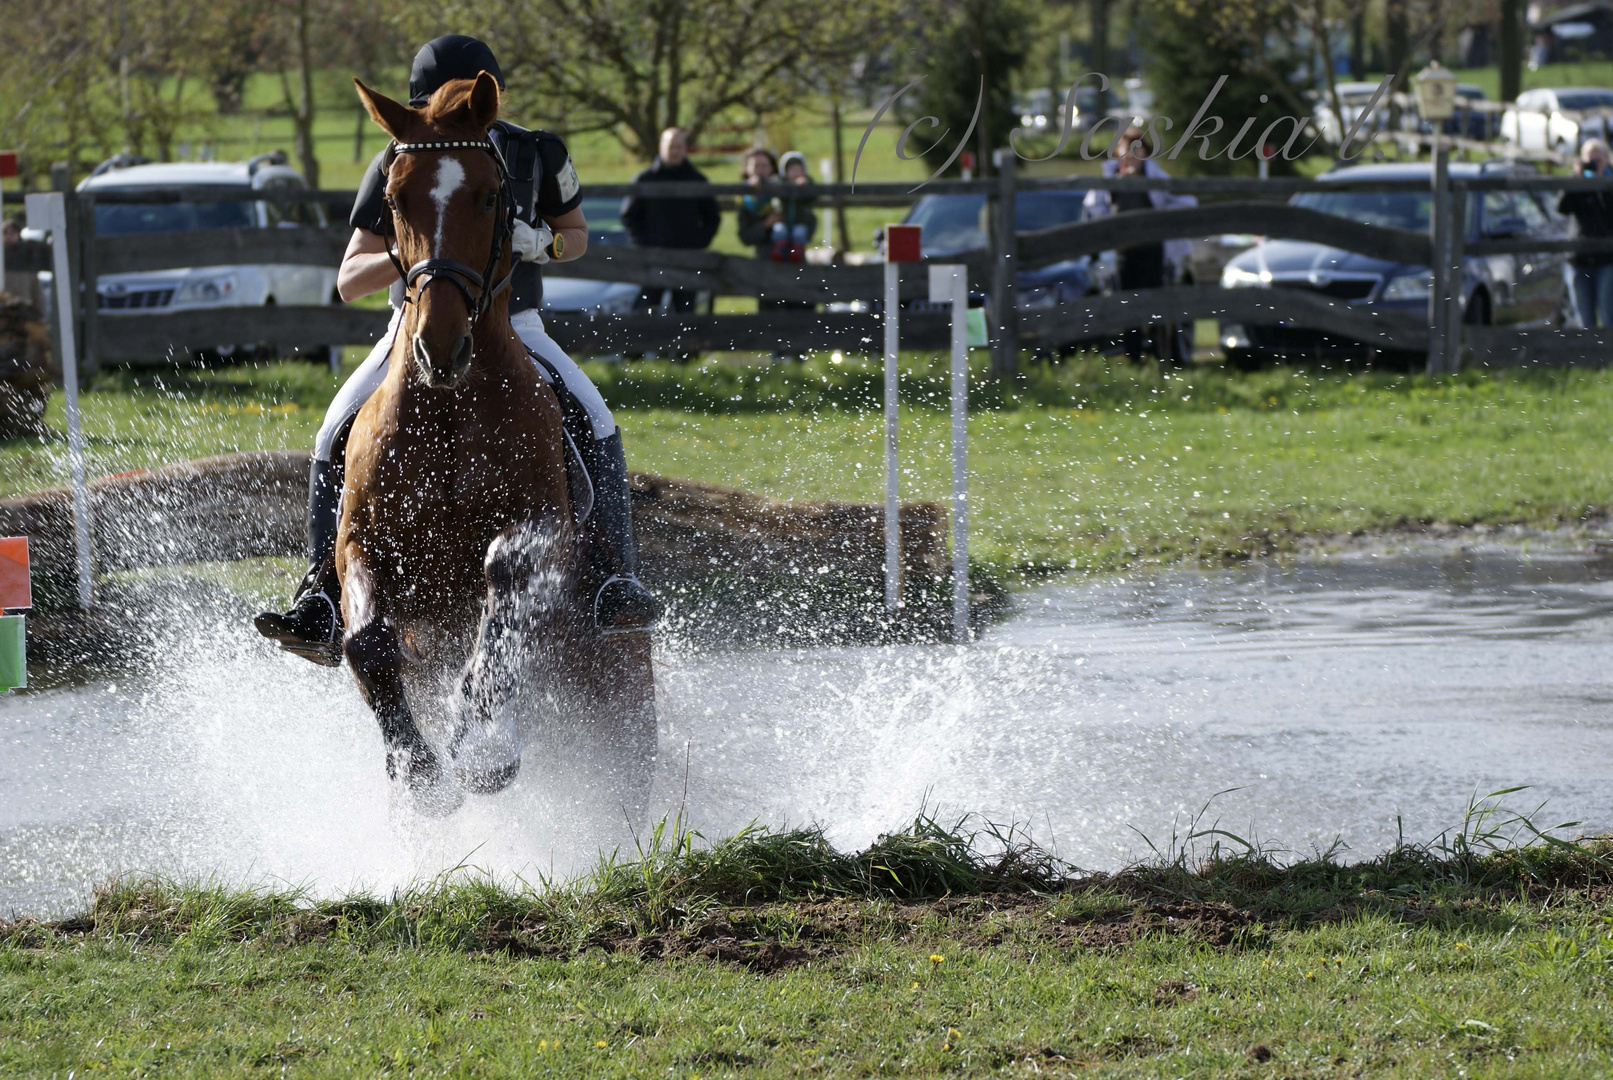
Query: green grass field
[[771, 954], [1087, 465]]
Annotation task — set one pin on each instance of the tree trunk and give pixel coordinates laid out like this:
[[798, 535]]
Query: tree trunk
[[840, 173], [1397, 31], [674, 69], [1098, 51], [303, 114], [1358, 44], [1511, 49]]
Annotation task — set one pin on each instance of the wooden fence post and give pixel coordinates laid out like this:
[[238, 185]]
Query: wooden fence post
[[1455, 242], [82, 205], [1439, 226], [1004, 266]]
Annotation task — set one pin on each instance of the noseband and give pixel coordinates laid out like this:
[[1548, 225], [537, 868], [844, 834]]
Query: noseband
[[463, 277]]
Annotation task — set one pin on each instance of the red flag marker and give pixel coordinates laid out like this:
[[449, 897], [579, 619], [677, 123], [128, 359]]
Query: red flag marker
[[902, 243]]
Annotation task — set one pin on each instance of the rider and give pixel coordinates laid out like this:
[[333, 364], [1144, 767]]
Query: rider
[[549, 226]]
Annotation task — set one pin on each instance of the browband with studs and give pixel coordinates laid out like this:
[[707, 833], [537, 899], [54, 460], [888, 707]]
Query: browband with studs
[[446, 144]]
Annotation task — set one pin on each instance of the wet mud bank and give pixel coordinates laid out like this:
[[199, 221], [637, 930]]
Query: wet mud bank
[[733, 567]]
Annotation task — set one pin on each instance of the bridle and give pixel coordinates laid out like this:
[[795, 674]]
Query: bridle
[[463, 277]]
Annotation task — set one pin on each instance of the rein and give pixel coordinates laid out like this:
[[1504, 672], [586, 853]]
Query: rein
[[463, 278]]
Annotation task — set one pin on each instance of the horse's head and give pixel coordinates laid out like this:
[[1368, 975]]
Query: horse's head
[[448, 209]]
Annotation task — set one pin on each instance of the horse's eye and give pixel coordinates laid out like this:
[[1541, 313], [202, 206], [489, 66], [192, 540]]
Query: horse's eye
[[391, 203], [490, 201]]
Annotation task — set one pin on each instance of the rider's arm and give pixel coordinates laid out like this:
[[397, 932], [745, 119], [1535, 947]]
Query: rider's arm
[[570, 234], [366, 266]]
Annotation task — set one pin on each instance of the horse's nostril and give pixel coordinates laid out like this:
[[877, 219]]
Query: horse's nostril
[[462, 354], [422, 352]]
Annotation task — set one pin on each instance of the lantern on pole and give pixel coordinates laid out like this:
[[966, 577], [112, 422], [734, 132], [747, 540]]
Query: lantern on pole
[[1436, 93]]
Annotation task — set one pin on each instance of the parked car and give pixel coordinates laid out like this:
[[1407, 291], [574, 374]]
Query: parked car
[[207, 195], [956, 223], [1501, 289], [585, 295], [1557, 120], [1354, 97], [952, 224], [1042, 110], [1470, 119]]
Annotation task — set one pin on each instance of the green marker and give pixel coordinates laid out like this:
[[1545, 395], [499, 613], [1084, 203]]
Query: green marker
[[13, 653]]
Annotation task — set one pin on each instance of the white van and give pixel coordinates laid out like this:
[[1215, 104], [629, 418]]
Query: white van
[[1557, 120]]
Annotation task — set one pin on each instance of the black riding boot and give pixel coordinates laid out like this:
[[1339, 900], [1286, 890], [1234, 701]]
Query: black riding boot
[[312, 628], [622, 604]]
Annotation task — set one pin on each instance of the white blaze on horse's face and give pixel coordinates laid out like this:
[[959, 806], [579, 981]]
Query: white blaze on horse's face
[[450, 178]]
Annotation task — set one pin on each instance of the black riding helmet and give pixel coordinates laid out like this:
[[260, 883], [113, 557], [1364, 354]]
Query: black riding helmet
[[444, 59]]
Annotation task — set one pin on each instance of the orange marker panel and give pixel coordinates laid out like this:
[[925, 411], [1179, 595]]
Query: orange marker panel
[[15, 591]]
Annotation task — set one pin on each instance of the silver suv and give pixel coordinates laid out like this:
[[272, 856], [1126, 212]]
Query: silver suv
[[217, 195]]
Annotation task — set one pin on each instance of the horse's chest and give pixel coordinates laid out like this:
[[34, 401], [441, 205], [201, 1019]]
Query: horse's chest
[[441, 493]]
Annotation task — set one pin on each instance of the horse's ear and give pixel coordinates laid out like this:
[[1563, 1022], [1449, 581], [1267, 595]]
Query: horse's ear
[[483, 101], [392, 116]]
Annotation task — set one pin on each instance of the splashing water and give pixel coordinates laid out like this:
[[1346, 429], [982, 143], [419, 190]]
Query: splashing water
[[1333, 696]]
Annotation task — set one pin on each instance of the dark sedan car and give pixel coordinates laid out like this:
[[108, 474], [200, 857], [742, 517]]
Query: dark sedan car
[[1510, 289], [957, 223], [585, 295]]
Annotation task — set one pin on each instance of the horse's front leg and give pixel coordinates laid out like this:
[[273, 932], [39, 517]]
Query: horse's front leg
[[526, 577], [373, 649]]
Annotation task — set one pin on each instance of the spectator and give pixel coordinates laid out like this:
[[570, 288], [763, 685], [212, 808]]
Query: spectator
[[777, 226], [680, 221], [797, 221], [759, 212], [1593, 211], [1141, 267]]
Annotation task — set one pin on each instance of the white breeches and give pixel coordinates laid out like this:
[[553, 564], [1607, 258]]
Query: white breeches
[[527, 324]]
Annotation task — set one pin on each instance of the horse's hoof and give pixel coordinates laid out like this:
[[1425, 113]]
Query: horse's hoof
[[487, 757], [434, 794]]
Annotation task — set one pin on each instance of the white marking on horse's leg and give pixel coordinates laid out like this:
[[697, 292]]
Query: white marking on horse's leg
[[450, 177]]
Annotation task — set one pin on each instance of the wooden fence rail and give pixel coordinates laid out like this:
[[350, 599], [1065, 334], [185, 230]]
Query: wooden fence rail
[[1241, 206], [1107, 316], [1265, 219], [145, 337]]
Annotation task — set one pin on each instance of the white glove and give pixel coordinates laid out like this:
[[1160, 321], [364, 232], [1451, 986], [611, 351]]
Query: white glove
[[532, 245]]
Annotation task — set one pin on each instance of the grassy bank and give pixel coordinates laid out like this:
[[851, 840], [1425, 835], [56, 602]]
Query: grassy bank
[[1087, 465], [773, 954]]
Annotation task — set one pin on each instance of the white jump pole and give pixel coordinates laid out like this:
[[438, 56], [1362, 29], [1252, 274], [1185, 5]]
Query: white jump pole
[[893, 535], [950, 285], [901, 245], [48, 211]]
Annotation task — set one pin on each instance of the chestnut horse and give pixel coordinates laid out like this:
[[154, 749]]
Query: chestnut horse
[[465, 574]]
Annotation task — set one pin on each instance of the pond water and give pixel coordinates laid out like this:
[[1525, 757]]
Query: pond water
[[1348, 699]]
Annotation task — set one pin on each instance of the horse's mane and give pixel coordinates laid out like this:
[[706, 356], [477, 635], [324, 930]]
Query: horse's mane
[[451, 99]]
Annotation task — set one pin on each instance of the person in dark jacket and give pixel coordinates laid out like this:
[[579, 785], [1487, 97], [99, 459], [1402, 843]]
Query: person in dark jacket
[[675, 221], [1144, 266], [1593, 211]]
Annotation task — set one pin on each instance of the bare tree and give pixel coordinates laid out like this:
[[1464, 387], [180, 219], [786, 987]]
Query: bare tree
[[634, 67], [294, 63], [87, 79]]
